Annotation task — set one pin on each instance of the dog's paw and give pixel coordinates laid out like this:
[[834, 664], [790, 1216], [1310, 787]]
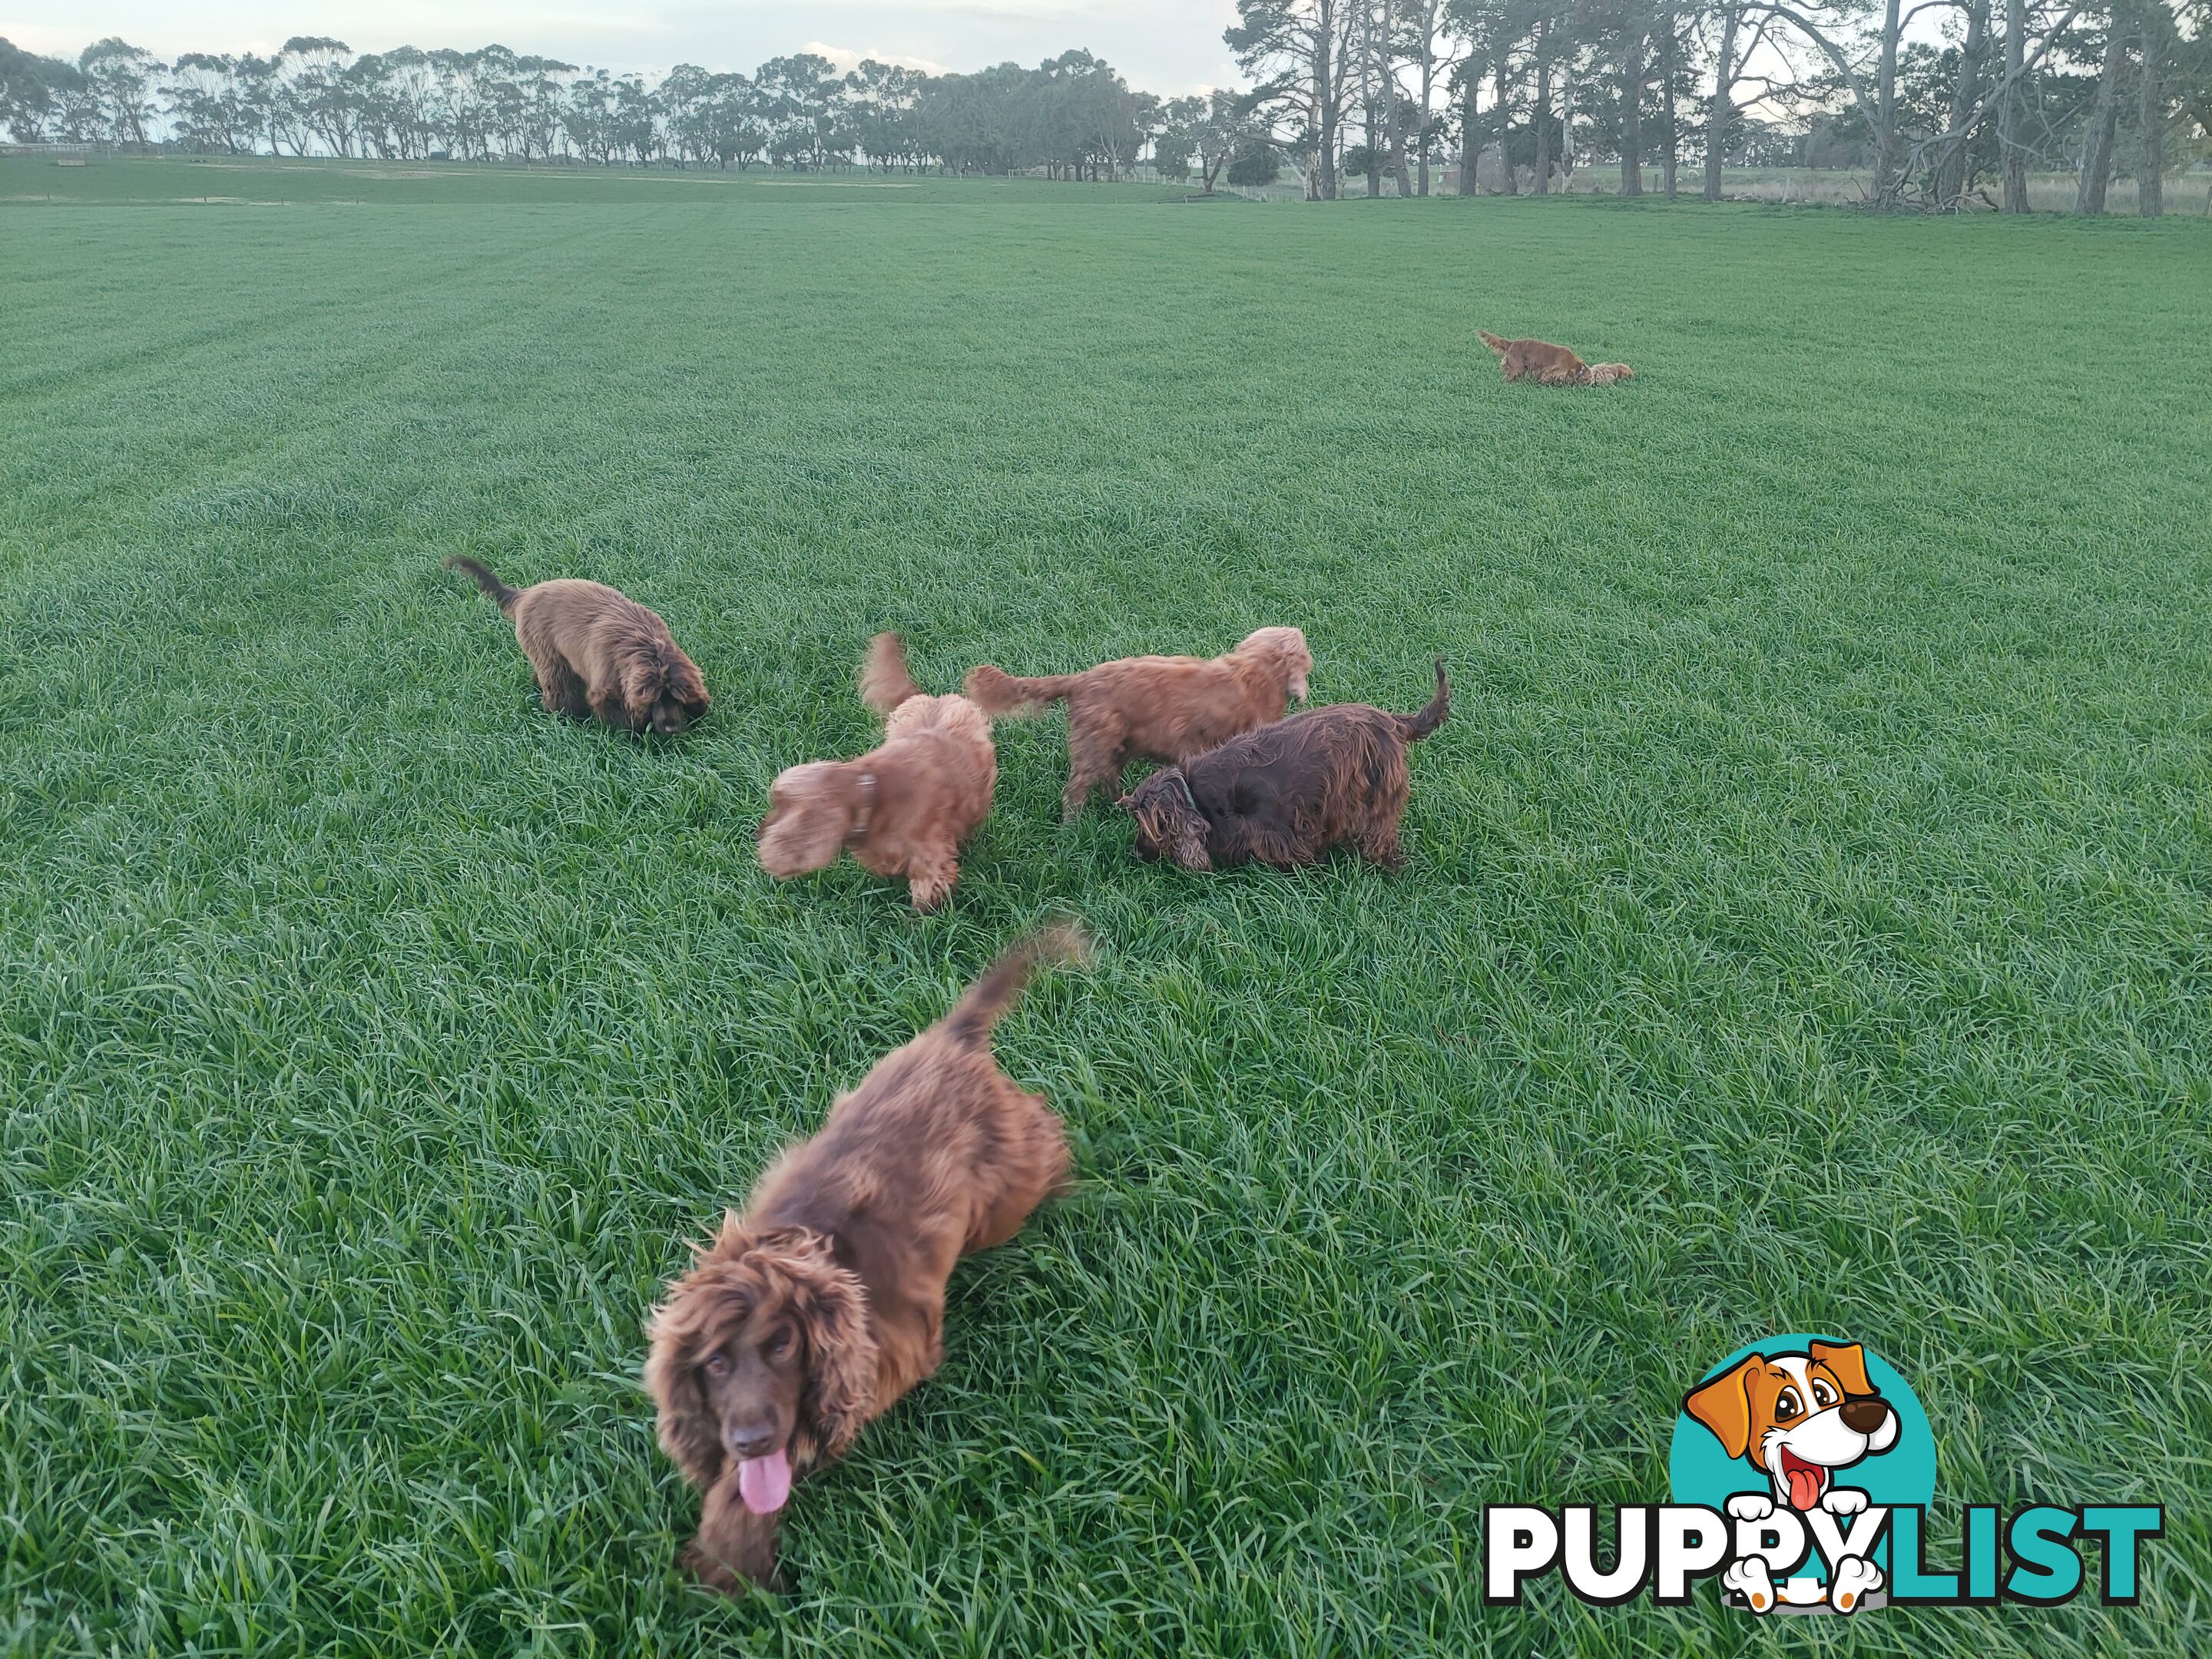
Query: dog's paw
[[1854, 1580], [1844, 1500], [1749, 1579], [1750, 1506]]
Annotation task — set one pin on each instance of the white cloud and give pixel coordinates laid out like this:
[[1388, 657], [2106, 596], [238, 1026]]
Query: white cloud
[[848, 60]]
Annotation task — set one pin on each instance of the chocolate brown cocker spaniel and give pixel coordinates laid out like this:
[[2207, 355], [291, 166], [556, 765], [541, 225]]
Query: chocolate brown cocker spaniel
[[812, 1314], [903, 808], [599, 652], [1156, 708], [1287, 792]]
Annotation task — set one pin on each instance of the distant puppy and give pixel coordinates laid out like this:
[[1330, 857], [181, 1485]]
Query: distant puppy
[[901, 809], [808, 1315], [1157, 708], [599, 652], [1287, 792], [1550, 365]]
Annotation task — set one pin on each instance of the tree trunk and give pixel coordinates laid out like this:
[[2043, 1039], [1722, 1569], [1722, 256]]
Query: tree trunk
[[1632, 115], [1720, 111], [1951, 172], [1428, 92], [1567, 121], [1325, 106], [1504, 113], [2104, 122], [1397, 126], [1368, 101], [1670, 132], [1885, 163], [2150, 112], [2009, 119], [1543, 109], [1470, 133]]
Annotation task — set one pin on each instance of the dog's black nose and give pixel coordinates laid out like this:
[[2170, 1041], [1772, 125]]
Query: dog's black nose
[[1863, 1414], [753, 1441]]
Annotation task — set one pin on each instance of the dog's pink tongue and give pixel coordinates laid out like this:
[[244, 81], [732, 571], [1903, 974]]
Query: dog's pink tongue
[[765, 1482], [1804, 1488]]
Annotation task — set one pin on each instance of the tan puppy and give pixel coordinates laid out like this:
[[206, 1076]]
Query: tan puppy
[[1547, 364], [597, 652], [903, 808], [1159, 708]]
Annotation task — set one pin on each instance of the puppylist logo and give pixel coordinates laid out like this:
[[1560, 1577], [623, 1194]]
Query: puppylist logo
[[1801, 1470]]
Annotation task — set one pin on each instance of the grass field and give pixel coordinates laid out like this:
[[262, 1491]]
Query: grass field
[[1807, 922]]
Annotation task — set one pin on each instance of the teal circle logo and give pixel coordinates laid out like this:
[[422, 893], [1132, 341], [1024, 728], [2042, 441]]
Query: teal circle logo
[[1815, 1429]]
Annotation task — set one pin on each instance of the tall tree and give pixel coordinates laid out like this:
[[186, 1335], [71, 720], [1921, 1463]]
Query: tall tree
[[2104, 122], [121, 78], [1720, 109], [1293, 50], [2011, 137], [2158, 33]]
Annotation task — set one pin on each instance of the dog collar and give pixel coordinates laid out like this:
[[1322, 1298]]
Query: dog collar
[[862, 818], [1183, 784]]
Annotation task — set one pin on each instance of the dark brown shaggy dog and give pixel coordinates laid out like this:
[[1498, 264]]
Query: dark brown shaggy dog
[[1289, 792], [1551, 365], [597, 651], [901, 809], [808, 1315], [1157, 708]]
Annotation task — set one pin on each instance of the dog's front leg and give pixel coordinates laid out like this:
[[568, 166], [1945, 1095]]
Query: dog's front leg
[[734, 1546], [930, 877]]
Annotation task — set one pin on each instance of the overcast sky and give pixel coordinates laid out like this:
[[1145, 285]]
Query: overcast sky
[[1168, 46]]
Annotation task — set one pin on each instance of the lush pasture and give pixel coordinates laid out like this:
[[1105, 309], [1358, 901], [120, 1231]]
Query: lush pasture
[[1807, 923]]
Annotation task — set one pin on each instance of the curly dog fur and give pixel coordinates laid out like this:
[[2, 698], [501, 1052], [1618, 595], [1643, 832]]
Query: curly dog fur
[[599, 652], [1551, 365], [903, 808], [1287, 792], [1159, 708], [811, 1314]]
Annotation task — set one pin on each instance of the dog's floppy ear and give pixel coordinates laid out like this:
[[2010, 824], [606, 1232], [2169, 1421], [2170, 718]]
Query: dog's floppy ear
[[1187, 842], [1724, 1405], [1848, 1361], [688, 1430], [811, 813]]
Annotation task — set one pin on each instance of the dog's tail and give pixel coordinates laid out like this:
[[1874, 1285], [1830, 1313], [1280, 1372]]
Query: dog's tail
[[983, 1003], [997, 692], [1491, 340], [1415, 727], [502, 595], [884, 682]]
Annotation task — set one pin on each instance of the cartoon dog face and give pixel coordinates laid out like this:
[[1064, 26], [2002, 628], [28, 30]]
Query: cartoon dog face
[[1797, 1417]]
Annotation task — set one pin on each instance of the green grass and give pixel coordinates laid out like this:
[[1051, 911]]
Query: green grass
[[1807, 923]]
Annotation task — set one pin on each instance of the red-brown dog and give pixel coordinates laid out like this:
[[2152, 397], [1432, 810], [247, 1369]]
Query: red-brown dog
[[903, 808], [808, 1315]]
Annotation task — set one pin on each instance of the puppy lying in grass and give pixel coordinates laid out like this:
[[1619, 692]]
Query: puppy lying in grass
[[1287, 792], [901, 809], [599, 652], [1551, 365], [1156, 708], [812, 1313]]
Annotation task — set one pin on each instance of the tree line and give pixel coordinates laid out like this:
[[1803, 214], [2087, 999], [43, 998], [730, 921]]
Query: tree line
[[1073, 116], [1517, 93], [1384, 87]]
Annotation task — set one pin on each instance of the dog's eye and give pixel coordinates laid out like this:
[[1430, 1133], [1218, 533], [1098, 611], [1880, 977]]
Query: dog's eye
[[718, 1364], [1823, 1395], [1786, 1404], [779, 1344]]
